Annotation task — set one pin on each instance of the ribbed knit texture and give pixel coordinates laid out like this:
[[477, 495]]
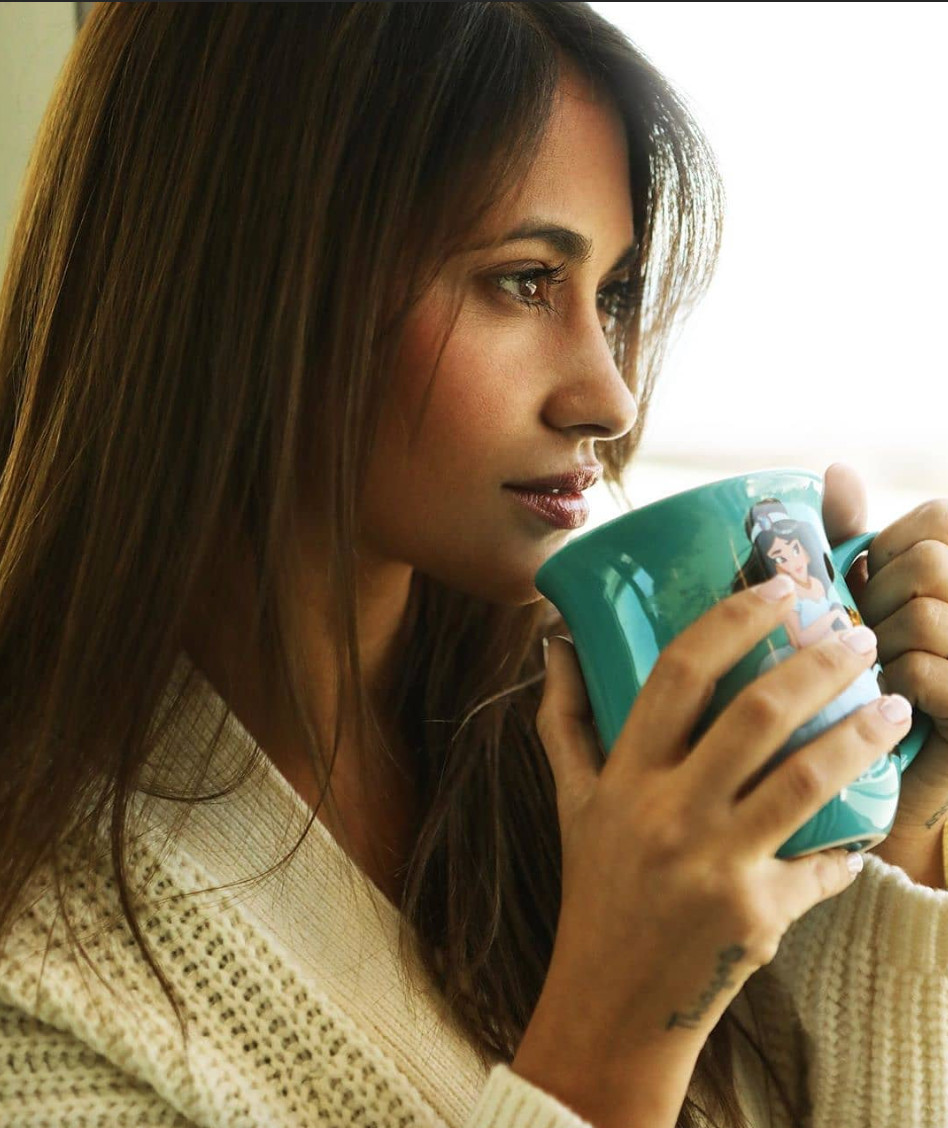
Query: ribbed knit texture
[[869, 975], [301, 1013]]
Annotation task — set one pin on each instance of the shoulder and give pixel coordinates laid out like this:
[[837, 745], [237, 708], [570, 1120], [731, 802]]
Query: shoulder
[[46, 1068], [262, 1040]]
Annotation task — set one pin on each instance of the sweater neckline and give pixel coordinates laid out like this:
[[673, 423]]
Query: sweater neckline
[[319, 911], [263, 800]]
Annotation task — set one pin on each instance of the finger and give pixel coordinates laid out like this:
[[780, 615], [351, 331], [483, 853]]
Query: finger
[[921, 570], [766, 713], [845, 503], [805, 882], [680, 685], [551, 620], [923, 679], [812, 775], [845, 515], [565, 726], [928, 521], [919, 624]]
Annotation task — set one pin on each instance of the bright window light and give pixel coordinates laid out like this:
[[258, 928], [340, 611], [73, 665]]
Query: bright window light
[[822, 336]]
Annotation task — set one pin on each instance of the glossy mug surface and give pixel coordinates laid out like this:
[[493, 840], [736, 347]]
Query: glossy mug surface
[[629, 586]]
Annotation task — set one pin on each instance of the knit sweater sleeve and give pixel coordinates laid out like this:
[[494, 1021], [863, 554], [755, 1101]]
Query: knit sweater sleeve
[[510, 1101], [51, 1079], [868, 975]]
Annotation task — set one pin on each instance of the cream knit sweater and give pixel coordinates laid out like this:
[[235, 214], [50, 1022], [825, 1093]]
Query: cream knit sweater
[[301, 1014]]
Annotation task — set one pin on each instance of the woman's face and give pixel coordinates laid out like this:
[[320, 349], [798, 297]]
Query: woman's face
[[791, 558], [521, 391]]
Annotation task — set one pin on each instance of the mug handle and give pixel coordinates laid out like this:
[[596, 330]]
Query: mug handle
[[843, 557]]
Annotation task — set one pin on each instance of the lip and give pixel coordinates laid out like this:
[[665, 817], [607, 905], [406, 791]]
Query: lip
[[563, 511], [572, 481]]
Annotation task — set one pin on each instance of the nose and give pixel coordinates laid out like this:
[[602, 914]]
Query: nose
[[589, 395]]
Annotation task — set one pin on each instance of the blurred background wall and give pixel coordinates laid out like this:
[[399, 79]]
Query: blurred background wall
[[34, 39]]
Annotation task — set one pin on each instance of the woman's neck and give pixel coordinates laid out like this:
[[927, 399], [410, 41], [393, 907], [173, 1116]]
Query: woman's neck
[[375, 788]]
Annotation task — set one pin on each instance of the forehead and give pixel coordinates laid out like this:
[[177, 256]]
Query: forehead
[[580, 178]]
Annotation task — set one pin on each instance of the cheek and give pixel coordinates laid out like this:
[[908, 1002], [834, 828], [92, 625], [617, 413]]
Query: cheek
[[460, 413]]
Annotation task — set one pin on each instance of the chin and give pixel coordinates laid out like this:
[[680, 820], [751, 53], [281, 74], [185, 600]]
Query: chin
[[511, 590], [525, 598]]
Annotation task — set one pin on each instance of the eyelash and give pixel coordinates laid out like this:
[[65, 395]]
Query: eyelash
[[621, 289]]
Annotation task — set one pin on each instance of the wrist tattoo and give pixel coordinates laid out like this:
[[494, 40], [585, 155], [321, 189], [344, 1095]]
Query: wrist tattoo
[[936, 816], [719, 981]]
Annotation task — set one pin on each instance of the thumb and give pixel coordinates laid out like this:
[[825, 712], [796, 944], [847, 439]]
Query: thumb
[[845, 503], [565, 727], [845, 513]]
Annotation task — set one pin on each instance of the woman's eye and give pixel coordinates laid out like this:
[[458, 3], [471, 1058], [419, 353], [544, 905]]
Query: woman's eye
[[617, 299], [531, 287]]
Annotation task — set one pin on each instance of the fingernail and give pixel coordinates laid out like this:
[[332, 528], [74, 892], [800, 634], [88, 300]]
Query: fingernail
[[895, 708], [546, 652], [854, 863], [774, 589], [859, 639]]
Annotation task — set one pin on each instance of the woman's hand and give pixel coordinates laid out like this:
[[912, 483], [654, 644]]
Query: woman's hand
[[901, 591], [672, 895]]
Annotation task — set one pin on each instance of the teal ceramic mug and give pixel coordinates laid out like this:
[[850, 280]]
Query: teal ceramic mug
[[629, 586]]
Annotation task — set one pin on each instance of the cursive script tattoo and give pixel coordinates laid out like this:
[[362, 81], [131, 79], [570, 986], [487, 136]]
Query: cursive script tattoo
[[719, 981], [936, 816]]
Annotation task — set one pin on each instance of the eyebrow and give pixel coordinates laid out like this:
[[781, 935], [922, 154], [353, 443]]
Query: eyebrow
[[572, 245]]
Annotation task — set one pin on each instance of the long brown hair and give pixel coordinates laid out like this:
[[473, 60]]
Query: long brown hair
[[220, 205]]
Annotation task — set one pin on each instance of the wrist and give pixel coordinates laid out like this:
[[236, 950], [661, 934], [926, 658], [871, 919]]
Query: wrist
[[640, 1096], [604, 1079]]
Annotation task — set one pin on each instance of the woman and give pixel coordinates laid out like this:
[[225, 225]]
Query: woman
[[296, 828]]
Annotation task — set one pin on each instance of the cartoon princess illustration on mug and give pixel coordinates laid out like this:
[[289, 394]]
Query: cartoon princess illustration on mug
[[793, 547]]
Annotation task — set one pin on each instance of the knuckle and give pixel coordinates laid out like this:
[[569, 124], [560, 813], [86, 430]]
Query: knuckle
[[930, 559], [924, 615], [678, 665], [670, 839], [866, 722], [915, 667], [805, 779], [761, 707], [830, 657], [935, 515], [738, 609], [909, 674], [737, 613]]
